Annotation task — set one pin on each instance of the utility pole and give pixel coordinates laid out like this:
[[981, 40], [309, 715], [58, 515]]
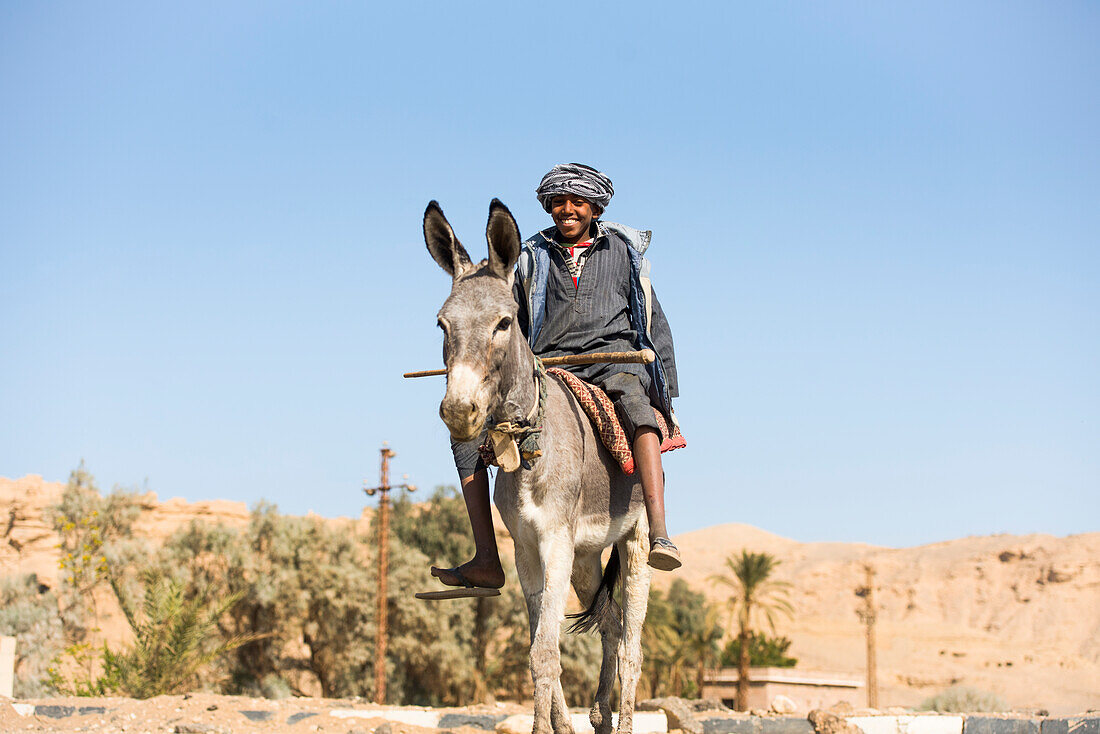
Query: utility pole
[[868, 615], [383, 566]]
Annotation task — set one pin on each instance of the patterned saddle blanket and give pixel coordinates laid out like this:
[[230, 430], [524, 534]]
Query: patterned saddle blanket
[[605, 420]]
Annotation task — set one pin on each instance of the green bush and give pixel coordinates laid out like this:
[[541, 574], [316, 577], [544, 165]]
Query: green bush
[[97, 545], [28, 612], [962, 700], [175, 636], [764, 652], [679, 640]]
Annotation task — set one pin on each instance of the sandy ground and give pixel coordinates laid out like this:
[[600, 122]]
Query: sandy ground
[[204, 713]]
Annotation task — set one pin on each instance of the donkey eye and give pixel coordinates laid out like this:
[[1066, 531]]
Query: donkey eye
[[504, 323]]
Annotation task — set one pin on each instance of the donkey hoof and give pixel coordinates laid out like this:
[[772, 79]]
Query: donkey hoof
[[600, 720]]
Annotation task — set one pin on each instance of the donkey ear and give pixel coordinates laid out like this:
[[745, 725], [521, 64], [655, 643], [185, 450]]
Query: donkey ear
[[444, 247], [503, 236]]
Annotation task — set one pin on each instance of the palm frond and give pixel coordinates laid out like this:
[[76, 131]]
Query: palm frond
[[757, 597], [174, 638]]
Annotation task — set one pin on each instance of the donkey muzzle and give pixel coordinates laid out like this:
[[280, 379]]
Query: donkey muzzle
[[463, 418], [465, 406]]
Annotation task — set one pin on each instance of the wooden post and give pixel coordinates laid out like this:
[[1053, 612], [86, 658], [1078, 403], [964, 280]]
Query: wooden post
[[869, 615], [383, 569], [7, 666]]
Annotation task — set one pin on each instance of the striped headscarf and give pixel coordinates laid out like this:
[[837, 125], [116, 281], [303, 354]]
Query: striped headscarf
[[577, 179]]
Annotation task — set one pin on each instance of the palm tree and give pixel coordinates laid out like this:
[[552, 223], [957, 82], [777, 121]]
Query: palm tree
[[702, 644], [174, 638], [755, 597]]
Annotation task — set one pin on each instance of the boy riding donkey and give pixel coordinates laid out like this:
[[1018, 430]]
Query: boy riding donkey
[[583, 286]]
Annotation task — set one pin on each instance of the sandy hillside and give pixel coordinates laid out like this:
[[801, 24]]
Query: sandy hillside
[[1016, 615]]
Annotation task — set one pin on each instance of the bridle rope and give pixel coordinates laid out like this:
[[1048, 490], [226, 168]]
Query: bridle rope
[[515, 443]]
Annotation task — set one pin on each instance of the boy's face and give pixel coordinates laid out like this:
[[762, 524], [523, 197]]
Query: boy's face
[[573, 216]]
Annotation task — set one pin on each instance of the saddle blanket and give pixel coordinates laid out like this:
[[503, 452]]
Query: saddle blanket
[[605, 420]]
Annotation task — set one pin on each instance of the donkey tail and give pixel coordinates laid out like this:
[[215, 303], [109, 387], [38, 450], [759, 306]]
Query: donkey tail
[[603, 602]]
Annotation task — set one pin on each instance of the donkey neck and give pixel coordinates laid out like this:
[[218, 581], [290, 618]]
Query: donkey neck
[[517, 393]]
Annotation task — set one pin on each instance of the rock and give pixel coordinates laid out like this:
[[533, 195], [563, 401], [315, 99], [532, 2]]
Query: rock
[[515, 724], [980, 724], [54, 712], [89, 710], [759, 712], [1077, 724], [826, 722], [476, 721], [841, 708], [194, 729], [736, 724], [295, 718], [258, 715], [709, 704], [386, 728], [783, 705], [785, 725], [679, 713]]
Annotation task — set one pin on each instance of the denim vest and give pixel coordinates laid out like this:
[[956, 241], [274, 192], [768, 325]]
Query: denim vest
[[533, 270]]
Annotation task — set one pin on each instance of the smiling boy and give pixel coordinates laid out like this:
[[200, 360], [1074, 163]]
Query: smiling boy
[[583, 286]]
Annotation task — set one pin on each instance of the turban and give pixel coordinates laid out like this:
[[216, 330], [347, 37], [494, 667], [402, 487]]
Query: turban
[[577, 179]]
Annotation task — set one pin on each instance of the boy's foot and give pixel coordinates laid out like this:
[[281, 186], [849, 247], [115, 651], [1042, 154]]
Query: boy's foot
[[664, 555], [471, 576]]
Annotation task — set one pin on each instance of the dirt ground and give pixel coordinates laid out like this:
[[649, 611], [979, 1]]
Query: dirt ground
[[203, 713]]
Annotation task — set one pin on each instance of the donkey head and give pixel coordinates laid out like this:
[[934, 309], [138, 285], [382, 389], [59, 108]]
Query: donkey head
[[477, 319]]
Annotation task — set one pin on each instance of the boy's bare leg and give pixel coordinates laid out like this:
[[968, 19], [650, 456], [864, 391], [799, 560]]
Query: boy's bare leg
[[484, 569], [663, 555]]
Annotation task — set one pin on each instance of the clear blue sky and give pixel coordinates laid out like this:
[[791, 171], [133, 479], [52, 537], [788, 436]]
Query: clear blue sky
[[875, 235]]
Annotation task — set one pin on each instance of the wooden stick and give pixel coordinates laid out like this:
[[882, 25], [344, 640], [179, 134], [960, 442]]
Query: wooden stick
[[644, 356]]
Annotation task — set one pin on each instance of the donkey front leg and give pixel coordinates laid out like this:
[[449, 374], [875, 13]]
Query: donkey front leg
[[551, 713], [635, 576], [529, 568]]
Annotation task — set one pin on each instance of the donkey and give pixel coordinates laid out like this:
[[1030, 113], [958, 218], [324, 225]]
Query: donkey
[[561, 508]]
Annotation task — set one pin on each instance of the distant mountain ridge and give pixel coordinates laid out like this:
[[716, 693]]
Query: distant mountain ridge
[[1016, 615]]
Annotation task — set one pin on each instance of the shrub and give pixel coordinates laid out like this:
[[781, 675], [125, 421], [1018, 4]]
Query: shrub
[[962, 700], [96, 545], [28, 612], [175, 636], [764, 652]]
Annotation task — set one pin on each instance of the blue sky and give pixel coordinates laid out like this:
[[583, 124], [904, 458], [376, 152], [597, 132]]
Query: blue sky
[[875, 236]]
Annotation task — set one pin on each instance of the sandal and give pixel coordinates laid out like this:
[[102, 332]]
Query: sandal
[[664, 555]]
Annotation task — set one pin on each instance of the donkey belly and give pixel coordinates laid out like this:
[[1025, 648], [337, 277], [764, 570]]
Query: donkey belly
[[611, 502], [596, 532]]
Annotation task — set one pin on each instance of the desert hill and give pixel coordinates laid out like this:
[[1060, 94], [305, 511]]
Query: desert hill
[[1016, 615]]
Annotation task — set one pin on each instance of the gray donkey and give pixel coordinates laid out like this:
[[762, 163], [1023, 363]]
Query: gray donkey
[[563, 507]]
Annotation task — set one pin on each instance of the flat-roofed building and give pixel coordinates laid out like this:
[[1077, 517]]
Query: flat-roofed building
[[807, 688]]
